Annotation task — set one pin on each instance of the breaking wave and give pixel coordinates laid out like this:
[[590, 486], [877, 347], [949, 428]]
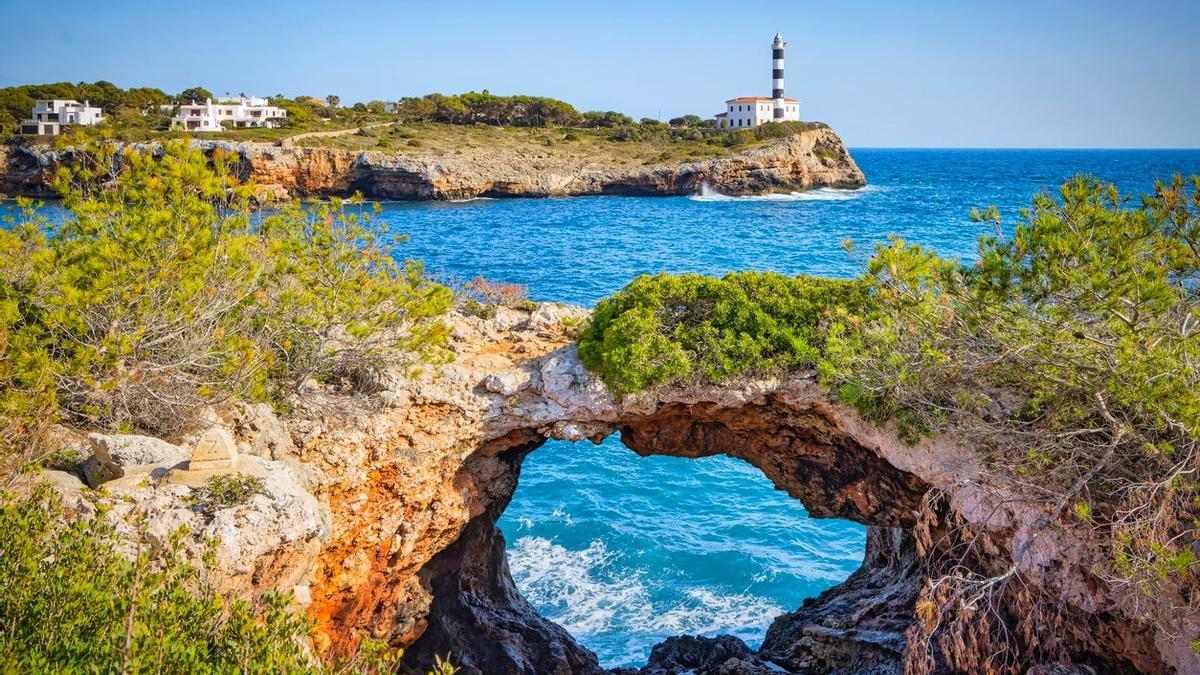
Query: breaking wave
[[707, 194], [595, 595]]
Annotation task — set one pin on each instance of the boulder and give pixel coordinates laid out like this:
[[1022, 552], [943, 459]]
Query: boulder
[[721, 655], [556, 314], [215, 454], [507, 382], [100, 468], [130, 449]]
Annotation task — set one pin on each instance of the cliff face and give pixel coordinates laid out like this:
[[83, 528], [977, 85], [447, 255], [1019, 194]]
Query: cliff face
[[383, 521], [808, 160]]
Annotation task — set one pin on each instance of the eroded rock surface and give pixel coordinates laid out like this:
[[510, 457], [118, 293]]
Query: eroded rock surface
[[382, 514], [811, 159]]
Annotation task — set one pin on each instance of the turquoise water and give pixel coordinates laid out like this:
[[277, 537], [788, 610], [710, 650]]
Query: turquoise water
[[624, 551]]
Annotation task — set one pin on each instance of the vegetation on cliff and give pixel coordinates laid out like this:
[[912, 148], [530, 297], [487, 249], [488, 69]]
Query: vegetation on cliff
[[86, 602], [166, 290], [692, 328], [1068, 352], [632, 144]]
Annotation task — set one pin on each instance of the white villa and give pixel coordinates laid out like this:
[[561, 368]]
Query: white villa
[[242, 112], [750, 111], [51, 115]]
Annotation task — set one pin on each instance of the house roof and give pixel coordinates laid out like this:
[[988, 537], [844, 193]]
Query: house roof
[[747, 99], [721, 114]]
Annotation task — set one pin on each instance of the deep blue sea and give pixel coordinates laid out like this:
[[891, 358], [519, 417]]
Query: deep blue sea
[[624, 551]]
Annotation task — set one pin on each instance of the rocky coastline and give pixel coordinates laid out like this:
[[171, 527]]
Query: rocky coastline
[[379, 517], [811, 159]]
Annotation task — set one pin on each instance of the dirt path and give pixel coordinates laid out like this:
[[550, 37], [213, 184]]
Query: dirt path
[[291, 140]]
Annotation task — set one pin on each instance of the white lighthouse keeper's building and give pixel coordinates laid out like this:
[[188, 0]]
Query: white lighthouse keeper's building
[[750, 111]]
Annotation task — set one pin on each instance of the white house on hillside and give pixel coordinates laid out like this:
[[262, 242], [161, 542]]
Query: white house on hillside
[[241, 112], [51, 115], [750, 111]]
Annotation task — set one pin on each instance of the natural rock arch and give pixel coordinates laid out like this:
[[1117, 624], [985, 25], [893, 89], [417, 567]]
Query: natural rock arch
[[414, 490], [478, 615]]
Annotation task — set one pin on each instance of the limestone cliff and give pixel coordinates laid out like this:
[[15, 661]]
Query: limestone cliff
[[381, 518], [807, 160]]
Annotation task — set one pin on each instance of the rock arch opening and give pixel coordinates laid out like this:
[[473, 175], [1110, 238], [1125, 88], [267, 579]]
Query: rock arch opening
[[625, 551], [478, 614]]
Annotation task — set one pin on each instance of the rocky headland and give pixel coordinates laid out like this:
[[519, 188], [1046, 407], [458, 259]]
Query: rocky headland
[[379, 517], [811, 159]]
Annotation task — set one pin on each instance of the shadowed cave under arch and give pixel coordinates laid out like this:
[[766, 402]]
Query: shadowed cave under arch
[[857, 626]]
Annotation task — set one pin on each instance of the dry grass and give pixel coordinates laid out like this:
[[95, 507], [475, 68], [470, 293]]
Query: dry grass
[[572, 144]]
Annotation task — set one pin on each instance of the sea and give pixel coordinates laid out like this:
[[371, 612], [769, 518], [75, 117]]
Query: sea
[[625, 551]]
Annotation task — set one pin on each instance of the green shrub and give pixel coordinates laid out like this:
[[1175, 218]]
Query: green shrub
[[478, 309], [669, 329], [1067, 354], [226, 490], [167, 290], [78, 598], [74, 604], [27, 392]]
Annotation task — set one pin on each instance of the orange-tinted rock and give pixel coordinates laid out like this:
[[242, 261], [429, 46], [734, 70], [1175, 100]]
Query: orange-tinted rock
[[811, 159]]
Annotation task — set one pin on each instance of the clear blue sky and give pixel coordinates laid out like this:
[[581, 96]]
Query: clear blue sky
[[1050, 73]]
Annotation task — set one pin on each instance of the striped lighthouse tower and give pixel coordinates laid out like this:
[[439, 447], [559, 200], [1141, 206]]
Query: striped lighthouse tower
[[777, 76]]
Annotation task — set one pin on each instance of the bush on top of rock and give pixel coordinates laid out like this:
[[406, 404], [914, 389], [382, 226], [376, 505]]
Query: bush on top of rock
[[668, 329]]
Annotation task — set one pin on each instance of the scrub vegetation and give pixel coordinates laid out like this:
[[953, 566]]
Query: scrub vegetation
[[691, 328], [85, 602], [632, 144], [166, 290], [1068, 353]]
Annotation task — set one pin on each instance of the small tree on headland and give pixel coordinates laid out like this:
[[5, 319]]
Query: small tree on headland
[[333, 100]]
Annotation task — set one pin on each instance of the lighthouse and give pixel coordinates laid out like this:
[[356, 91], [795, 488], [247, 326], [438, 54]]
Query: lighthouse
[[746, 112], [777, 77]]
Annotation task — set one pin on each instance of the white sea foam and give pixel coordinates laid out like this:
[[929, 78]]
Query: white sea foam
[[560, 513], [471, 199], [707, 194], [587, 592]]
